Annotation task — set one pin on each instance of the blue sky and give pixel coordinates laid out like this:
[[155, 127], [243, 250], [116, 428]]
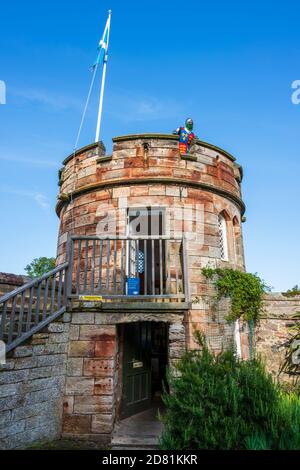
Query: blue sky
[[229, 65]]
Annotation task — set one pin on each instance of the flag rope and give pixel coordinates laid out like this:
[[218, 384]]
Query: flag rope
[[85, 107]]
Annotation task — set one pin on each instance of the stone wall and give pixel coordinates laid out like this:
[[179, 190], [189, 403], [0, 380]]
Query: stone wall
[[9, 282], [273, 330], [31, 388]]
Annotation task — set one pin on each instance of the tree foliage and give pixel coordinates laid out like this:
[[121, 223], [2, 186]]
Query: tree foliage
[[40, 266]]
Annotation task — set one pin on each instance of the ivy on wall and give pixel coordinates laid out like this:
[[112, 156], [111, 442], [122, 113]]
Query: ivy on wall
[[245, 291]]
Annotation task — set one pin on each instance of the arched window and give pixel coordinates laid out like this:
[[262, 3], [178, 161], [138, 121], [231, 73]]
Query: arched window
[[223, 238], [237, 241]]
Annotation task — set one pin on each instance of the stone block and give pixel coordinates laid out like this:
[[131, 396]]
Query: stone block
[[120, 192], [56, 327], [93, 404], [36, 421], [102, 423], [39, 372], [5, 418], [26, 363], [40, 396], [10, 364], [23, 351], [139, 190], [99, 333], [74, 332], [105, 348], [13, 376], [104, 386], [59, 337], [60, 369], [79, 386], [68, 405], [27, 411], [12, 428], [74, 366], [51, 360], [81, 348], [44, 383], [98, 367], [66, 318], [84, 318], [10, 403], [157, 190], [10, 389], [173, 191], [77, 424]]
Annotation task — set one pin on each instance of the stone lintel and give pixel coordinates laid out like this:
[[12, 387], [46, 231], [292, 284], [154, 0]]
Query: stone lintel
[[156, 307]]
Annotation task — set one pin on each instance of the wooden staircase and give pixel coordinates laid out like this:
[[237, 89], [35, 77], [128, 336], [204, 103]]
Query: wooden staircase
[[27, 309]]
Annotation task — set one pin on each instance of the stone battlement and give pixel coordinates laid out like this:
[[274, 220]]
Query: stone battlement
[[150, 159]]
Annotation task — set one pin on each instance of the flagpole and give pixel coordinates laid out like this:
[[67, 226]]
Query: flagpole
[[103, 81]]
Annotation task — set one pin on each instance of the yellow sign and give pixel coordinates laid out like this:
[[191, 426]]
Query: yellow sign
[[91, 298]]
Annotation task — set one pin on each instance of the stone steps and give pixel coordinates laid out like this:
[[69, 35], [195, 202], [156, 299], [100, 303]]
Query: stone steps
[[139, 432]]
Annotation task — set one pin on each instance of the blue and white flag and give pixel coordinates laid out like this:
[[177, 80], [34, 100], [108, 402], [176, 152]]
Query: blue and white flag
[[103, 45]]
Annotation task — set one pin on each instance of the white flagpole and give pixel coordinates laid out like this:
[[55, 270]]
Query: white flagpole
[[103, 79]]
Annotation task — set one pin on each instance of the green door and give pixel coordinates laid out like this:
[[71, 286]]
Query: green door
[[136, 395]]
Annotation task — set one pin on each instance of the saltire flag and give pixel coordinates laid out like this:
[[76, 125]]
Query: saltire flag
[[102, 46]]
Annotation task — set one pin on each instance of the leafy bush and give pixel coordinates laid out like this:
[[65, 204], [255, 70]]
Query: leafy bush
[[40, 266], [245, 291], [220, 402], [292, 292]]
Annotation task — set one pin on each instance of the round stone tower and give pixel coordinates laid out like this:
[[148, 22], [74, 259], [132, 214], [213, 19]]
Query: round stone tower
[[200, 194], [137, 227]]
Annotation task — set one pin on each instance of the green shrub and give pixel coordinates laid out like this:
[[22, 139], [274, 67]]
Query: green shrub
[[220, 402]]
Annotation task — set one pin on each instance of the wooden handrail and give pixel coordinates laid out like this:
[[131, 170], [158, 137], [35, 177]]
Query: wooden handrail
[[23, 315], [33, 283]]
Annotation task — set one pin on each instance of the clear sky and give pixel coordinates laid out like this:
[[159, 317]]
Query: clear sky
[[228, 64]]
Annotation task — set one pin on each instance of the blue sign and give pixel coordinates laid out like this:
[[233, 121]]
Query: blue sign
[[133, 286]]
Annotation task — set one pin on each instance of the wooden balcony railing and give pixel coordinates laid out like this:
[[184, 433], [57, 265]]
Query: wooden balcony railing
[[153, 267]]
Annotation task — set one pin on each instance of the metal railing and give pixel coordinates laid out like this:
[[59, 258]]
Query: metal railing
[[107, 267], [26, 310]]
